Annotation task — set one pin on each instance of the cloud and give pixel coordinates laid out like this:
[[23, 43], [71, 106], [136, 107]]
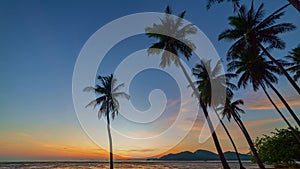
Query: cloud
[[251, 127], [139, 150], [261, 122], [186, 107], [172, 103], [259, 101]]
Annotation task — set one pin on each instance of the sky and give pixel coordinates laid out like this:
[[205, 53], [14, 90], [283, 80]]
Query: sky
[[39, 45]]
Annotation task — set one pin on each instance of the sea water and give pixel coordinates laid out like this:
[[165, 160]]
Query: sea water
[[124, 165]]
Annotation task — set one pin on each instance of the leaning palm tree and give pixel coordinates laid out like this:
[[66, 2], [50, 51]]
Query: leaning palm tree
[[294, 57], [250, 28], [170, 48], [255, 69], [206, 76], [236, 3], [108, 93], [232, 109], [212, 78], [295, 3]]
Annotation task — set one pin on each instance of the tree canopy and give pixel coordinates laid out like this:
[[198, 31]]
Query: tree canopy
[[280, 149]]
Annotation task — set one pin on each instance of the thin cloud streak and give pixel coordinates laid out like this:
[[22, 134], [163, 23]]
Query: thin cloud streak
[[259, 101], [262, 122]]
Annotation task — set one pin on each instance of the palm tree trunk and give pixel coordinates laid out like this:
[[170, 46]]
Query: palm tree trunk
[[295, 3], [282, 116], [213, 133], [284, 102], [232, 142], [111, 164], [248, 138], [290, 79]]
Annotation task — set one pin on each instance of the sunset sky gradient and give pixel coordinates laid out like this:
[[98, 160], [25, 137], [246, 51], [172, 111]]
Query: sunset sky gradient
[[39, 45]]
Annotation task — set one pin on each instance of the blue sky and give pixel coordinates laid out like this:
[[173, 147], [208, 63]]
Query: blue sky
[[40, 42]]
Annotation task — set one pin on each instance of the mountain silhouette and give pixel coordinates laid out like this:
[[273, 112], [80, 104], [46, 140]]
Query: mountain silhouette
[[201, 155]]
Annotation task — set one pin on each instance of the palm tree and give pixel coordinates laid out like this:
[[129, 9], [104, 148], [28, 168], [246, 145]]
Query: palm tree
[[250, 28], [108, 92], [232, 109], [170, 47], [295, 3], [255, 69], [294, 56], [236, 3], [206, 75]]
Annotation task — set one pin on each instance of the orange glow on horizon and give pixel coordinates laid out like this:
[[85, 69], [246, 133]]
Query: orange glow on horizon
[[79, 147]]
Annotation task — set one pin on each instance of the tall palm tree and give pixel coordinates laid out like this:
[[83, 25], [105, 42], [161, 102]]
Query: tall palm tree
[[294, 57], [206, 75], [107, 94], [179, 45], [255, 69], [236, 3], [295, 3], [232, 110], [250, 28]]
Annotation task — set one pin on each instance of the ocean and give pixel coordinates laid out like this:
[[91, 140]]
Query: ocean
[[124, 165]]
